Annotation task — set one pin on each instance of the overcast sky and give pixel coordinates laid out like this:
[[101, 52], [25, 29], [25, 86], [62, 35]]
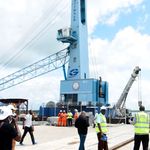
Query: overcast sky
[[119, 40]]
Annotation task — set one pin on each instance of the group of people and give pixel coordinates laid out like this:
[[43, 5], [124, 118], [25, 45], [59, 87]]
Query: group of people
[[9, 130], [66, 119], [141, 122]]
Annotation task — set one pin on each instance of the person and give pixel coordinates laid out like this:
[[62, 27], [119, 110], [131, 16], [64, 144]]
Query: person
[[64, 118], [76, 115], [82, 124], [9, 129], [14, 115], [60, 115], [13, 109], [95, 118], [69, 118], [101, 129], [28, 127], [141, 123]]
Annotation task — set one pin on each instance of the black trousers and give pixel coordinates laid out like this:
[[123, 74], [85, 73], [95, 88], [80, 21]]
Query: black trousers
[[69, 121], [26, 130], [141, 138], [102, 145]]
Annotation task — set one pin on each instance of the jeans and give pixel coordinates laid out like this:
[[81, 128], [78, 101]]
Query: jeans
[[82, 141]]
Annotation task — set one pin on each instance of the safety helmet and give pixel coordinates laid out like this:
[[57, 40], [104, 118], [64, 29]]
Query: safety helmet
[[5, 112], [12, 107], [103, 108]]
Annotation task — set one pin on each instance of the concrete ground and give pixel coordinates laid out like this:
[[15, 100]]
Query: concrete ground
[[66, 138]]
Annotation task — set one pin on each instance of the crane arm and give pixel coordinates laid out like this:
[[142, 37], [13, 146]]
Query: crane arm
[[39, 68], [125, 92]]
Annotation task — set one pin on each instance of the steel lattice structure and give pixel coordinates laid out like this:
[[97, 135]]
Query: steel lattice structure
[[39, 68]]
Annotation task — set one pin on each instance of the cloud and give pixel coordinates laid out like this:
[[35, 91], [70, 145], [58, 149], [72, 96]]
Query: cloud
[[115, 60], [31, 27], [38, 90], [108, 11]]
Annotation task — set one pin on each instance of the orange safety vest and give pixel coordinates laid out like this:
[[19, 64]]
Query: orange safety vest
[[76, 116]]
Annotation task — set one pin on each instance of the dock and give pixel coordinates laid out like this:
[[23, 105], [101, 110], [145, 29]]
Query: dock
[[66, 138]]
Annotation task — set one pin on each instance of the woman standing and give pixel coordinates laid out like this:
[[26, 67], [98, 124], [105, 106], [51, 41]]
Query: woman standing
[[82, 124]]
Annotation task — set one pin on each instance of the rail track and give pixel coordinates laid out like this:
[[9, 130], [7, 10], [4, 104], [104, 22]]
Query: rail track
[[122, 144]]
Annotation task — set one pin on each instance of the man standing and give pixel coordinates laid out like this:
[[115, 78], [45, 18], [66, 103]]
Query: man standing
[[141, 124], [28, 127], [69, 118], [60, 115], [76, 114], [82, 124], [13, 109], [9, 129], [64, 118], [101, 129]]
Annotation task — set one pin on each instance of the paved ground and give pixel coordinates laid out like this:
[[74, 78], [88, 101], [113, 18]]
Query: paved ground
[[66, 138]]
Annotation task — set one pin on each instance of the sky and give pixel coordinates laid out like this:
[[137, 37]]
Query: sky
[[118, 40]]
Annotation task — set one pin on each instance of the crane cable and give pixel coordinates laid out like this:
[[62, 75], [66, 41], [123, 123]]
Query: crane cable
[[93, 59], [36, 37]]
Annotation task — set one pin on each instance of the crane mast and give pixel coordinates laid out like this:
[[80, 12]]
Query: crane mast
[[78, 88], [76, 36]]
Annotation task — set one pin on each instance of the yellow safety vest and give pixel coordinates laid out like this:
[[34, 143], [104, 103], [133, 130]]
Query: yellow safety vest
[[103, 124], [70, 115], [142, 123]]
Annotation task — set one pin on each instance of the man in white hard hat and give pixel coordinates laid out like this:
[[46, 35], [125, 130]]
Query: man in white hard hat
[[9, 129], [14, 115], [101, 129], [13, 109]]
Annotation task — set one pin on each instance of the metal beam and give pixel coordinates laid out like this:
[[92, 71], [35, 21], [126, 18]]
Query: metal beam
[[39, 68]]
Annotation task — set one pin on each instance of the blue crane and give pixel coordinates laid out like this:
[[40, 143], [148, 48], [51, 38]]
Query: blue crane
[[77, 88]]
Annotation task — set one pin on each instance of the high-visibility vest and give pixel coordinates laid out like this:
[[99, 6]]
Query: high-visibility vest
[[70, 115], [103, 124], [142, 123], [76, 115]]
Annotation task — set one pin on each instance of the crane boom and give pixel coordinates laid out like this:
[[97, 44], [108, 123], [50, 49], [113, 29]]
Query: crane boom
[[41, 67], [122, 99]]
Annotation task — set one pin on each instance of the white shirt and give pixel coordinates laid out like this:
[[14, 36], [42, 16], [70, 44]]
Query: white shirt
[[95, 117], [28, 120], [99, 119]]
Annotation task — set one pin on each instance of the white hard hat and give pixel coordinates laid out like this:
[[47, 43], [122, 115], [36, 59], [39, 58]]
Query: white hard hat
[[76, 110], [5, 112], [12, 107], [103, 108]]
